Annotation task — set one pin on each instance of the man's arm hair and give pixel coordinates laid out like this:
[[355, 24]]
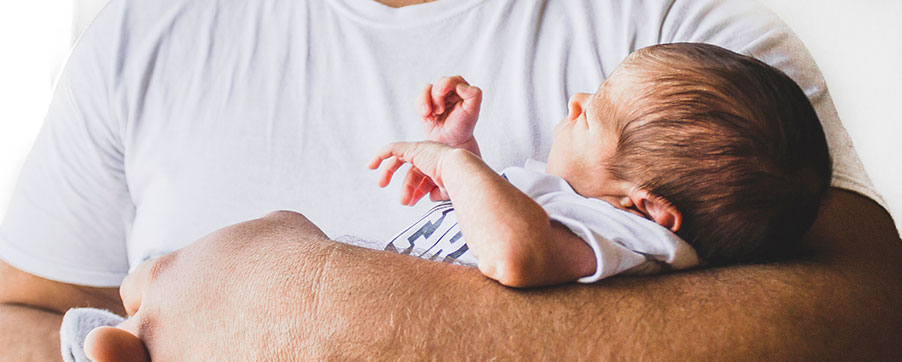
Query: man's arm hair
[[842, 300], [293, 294], [32, 308]]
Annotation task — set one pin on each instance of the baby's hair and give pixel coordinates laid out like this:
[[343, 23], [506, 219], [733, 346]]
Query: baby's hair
[[732, 142]]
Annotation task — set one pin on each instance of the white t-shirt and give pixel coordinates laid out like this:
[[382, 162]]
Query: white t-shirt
[[622, 242], [174, 118]]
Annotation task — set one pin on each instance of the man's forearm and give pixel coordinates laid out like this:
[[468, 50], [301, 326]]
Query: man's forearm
[[28, 334], [290, 294], [840, 302], [31, 310]]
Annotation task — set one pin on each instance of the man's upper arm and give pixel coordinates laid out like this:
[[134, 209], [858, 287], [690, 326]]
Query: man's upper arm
[[71, 211]]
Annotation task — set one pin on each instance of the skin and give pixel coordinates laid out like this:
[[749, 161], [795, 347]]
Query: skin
[[449, 110], [511, 235], [839, 301], [32, 308], [402, 3]]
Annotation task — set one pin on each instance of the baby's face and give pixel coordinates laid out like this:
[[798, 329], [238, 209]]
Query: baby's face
[[585, 141]]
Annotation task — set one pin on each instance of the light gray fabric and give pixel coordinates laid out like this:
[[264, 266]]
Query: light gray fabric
[[77, 323], [622, 242]]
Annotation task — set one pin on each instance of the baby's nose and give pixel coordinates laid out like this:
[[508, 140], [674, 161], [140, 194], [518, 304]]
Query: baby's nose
[[580, 98], [576, 104]]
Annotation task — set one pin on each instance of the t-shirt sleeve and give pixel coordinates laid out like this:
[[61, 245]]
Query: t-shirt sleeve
[[749, 28], [622, 242], [70, 214]]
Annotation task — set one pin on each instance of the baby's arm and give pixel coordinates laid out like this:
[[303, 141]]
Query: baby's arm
[[509, 233], [449, 111]]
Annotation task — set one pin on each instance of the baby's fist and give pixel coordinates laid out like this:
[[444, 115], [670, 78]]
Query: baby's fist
[[449, 110]]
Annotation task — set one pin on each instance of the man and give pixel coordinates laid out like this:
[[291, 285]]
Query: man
[[175, 118]]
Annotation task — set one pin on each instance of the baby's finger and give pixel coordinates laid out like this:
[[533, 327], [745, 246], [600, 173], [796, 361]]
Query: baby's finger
[[426, 185], [375, 162], [472, 96], [388, 172], [423, 103], [434, 195], [411, 182], [442, 89], [389, 150], [439, 194], [383, 154]]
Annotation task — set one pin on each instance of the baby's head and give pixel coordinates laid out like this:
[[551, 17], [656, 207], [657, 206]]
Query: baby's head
[[725, 150]]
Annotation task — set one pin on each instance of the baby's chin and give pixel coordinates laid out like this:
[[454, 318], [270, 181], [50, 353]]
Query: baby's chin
[[556, 167], [557, 128], [551, 166]]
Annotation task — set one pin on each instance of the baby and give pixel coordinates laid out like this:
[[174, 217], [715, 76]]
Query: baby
[[687, 154]]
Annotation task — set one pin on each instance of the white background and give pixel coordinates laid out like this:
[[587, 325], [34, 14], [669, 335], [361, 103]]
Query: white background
[[857, 44]]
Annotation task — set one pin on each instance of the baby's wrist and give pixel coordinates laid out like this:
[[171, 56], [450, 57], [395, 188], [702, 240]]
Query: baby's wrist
[[451, 159], [469, 145]]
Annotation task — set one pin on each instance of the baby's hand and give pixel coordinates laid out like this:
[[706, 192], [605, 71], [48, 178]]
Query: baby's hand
[[449, 111], [425, 174]]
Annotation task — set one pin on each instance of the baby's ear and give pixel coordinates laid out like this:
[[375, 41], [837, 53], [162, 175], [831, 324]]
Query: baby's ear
[[657, 209], [105, 344]]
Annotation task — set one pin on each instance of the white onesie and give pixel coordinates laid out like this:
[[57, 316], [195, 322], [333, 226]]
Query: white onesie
[[622, 242]]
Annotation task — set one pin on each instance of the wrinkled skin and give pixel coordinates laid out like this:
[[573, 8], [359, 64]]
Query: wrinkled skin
[[206, 284], [276, 289]]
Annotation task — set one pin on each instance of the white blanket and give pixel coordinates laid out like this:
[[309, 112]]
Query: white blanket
[[77, 323]]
